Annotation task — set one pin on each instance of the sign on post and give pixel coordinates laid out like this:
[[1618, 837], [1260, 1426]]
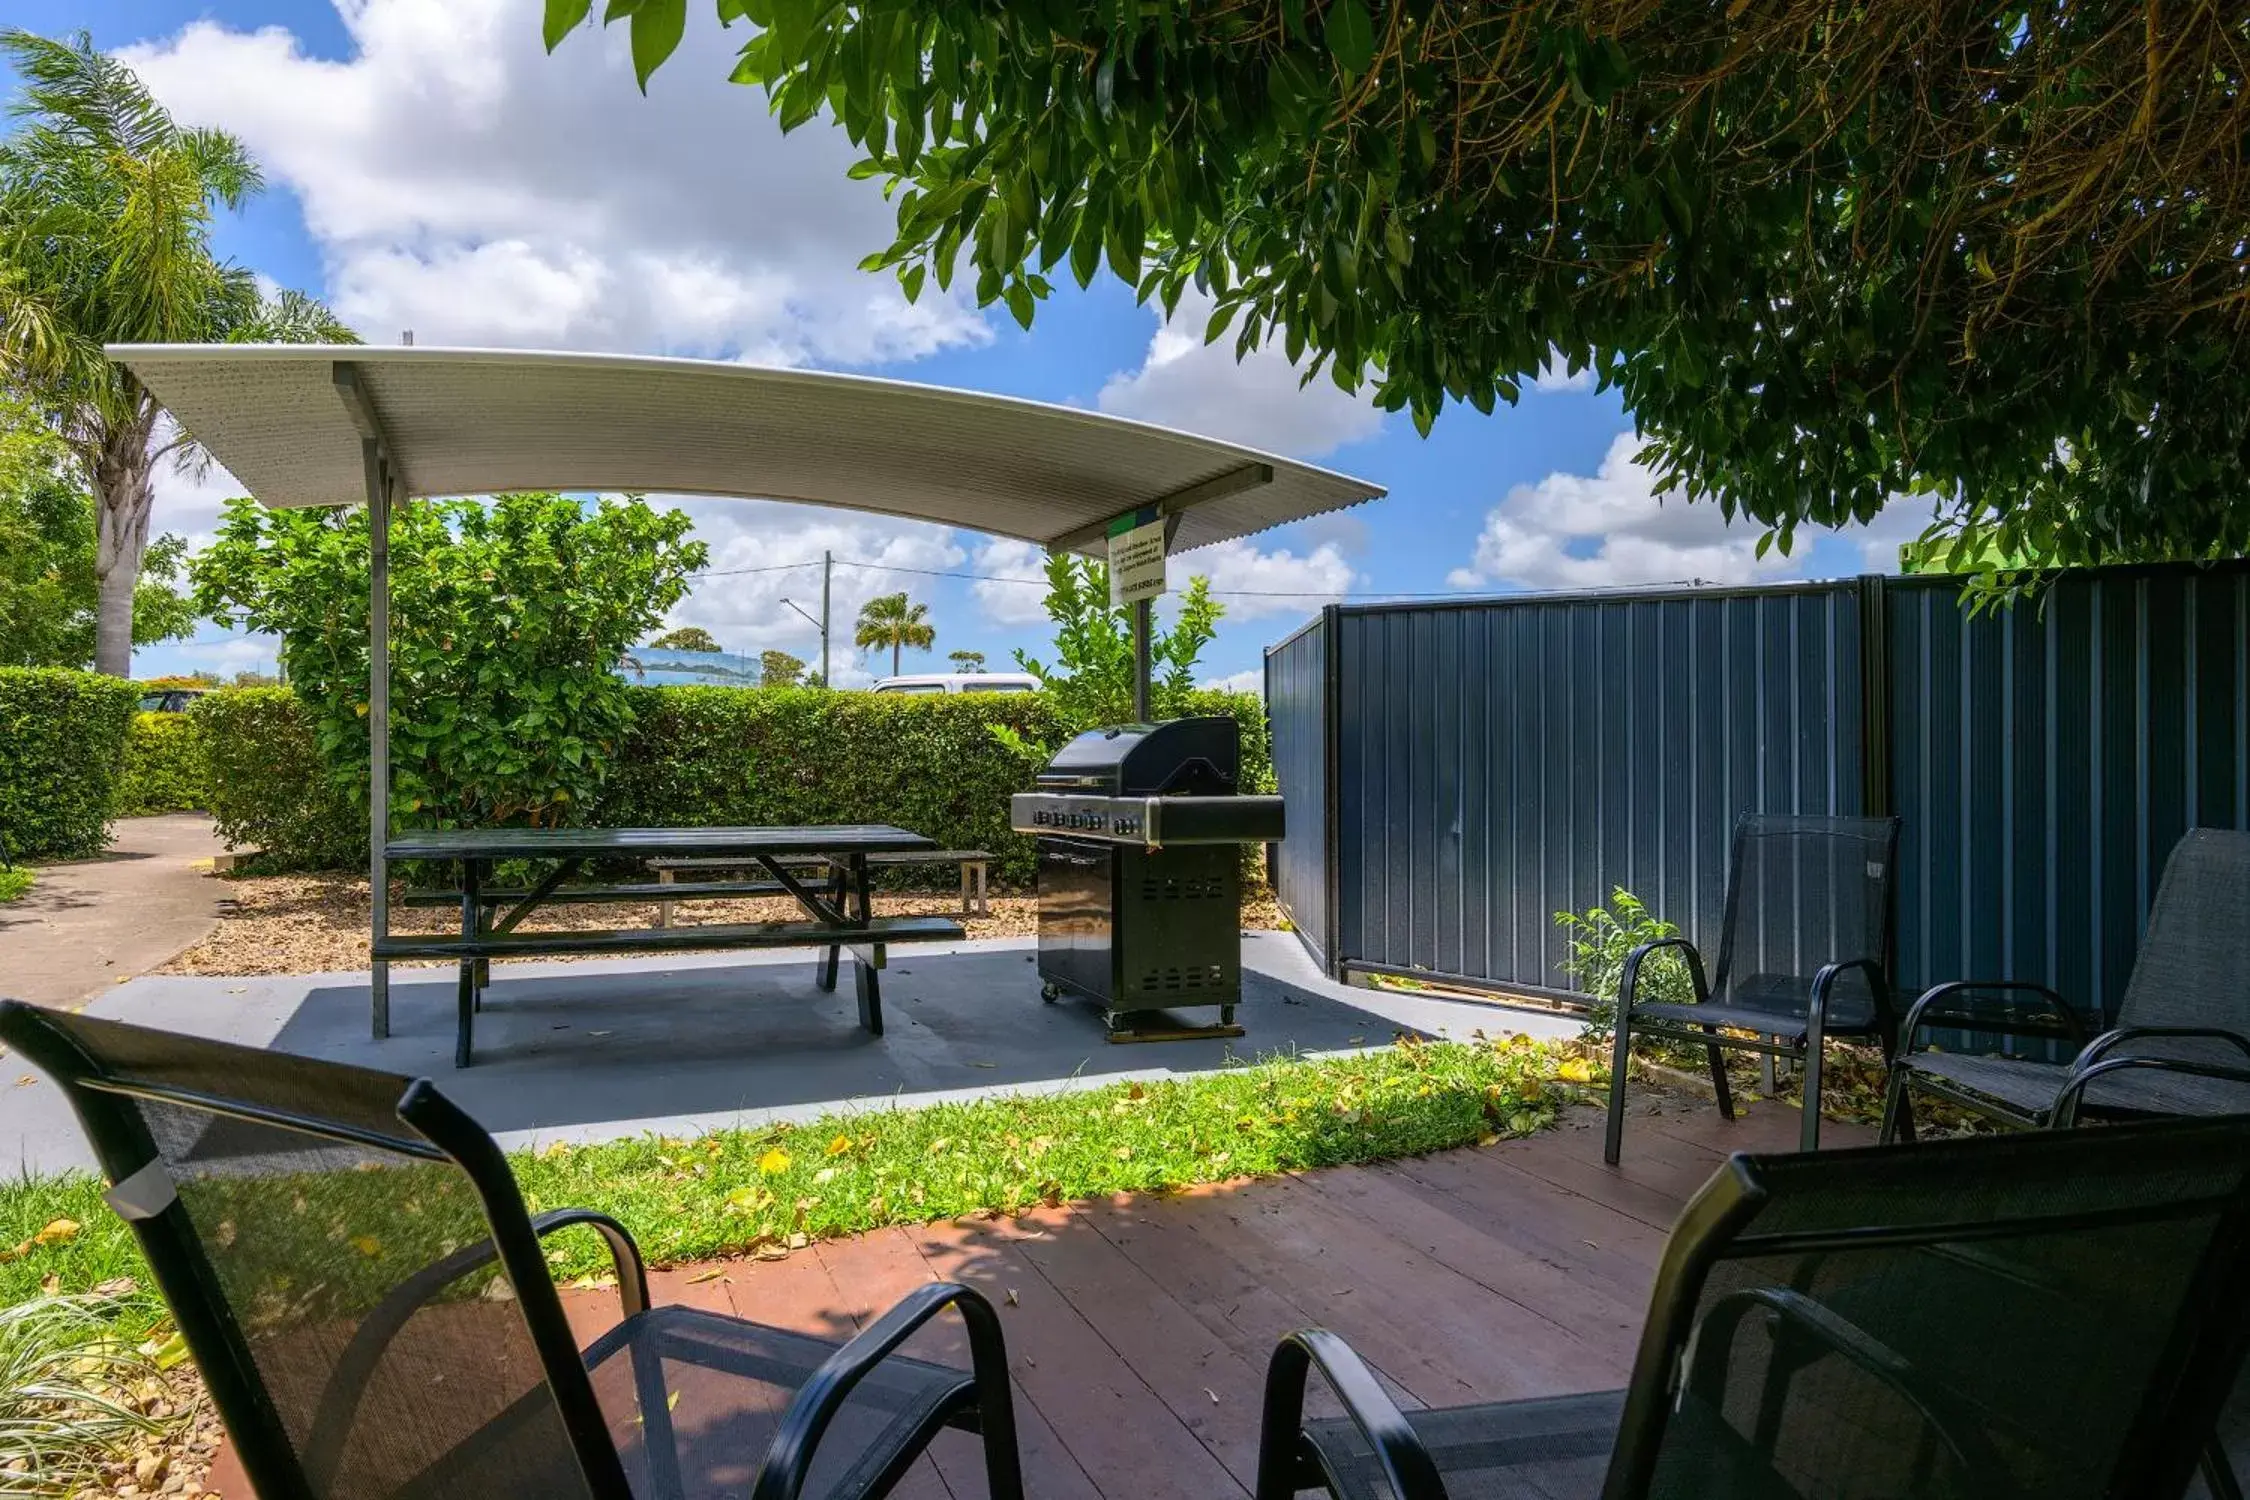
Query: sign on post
[[1136, 557]]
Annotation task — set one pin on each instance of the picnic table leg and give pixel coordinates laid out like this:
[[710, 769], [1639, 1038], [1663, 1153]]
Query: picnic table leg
[[866, 975], [663, 908], [472, 906], [824, 974]]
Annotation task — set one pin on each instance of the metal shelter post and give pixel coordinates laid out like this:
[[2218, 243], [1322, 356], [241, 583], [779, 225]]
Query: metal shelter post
[[382, 479], [378, 721], [1141, 611]]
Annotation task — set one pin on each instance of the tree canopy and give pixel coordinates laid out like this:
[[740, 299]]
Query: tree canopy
[[891, 620], [1996, 255], [506, 622], [1092, 678], [687, 638], [47, 585], [106, 205]]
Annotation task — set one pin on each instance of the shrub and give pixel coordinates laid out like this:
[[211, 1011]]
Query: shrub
[[62, 744], [164, 768], [1600, 938], [721, 755], [16, 882], [709, 755], [266, 787]]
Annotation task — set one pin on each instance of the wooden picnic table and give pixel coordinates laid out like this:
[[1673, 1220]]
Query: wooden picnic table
[[839, 910]]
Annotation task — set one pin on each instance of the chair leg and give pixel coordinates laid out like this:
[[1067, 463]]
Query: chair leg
[[2218, 1473], [1809, 1132], [1719, 1086], [1614, 1141], [1898, 1107]]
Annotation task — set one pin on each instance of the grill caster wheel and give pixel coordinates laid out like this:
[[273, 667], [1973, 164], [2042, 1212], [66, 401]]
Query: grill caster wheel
[[1050, 992]]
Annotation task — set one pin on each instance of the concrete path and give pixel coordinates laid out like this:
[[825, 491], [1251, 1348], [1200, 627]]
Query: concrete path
[[88, 924], [673, 1046]]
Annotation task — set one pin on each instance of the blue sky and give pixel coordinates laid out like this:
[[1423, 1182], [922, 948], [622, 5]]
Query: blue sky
[[430, 169]]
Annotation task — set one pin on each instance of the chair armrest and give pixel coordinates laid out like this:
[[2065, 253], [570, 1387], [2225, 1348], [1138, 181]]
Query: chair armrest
[[1824, 984], [1629, 977], [340, 1397], [2064, 1111], [782, 1474], [2068, 1027], [2109, 1041], [1831, 1333], [1407, 1464]]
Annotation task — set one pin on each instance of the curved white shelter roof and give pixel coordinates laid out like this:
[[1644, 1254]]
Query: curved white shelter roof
[[289, 420]]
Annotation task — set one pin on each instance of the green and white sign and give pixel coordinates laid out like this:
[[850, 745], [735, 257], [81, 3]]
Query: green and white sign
[[1136, 557]]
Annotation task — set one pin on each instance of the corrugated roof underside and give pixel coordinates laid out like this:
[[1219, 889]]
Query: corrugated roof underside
[[481, 426]]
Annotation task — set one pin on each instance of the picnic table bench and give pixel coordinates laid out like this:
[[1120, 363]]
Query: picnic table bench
[[838, 908], [975, 866]]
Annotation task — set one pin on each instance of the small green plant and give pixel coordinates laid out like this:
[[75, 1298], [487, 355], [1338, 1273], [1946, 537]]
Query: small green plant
[[76, 1389], [1599, 939], [15, 880]]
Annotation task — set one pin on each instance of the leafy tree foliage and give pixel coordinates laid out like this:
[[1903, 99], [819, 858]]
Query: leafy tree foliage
[[687, 638], [1992, 255], [890, 620], [505, 622], [105, 237], [1092, 678], [966, 661], [48, 587], [779, 669]]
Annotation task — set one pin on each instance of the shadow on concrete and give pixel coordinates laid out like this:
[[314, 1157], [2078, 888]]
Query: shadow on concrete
[[562, 1050]]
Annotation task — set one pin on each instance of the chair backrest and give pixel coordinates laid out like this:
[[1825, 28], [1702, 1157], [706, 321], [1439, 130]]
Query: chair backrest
[[2055, 1314], [2193, 968], [1802, 893], [309, 1225]]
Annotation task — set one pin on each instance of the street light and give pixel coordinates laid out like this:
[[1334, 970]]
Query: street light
[[822, 627]]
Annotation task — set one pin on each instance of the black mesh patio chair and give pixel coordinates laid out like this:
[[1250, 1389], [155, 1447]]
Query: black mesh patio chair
[[1803, 948], [370, 1304], [2180, 1044], [2044, 1316]]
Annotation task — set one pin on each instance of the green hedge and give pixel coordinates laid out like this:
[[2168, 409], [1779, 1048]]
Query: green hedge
[[703, 756], [267, 789], [164, 767], [62, 744]]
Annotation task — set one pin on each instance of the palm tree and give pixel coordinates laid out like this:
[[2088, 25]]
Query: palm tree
[[105, 237], [888, 620]]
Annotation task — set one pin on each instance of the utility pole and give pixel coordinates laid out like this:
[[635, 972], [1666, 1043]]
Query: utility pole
[[827, 569]]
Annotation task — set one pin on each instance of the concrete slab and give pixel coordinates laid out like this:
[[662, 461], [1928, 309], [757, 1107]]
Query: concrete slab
[[601, 1050]]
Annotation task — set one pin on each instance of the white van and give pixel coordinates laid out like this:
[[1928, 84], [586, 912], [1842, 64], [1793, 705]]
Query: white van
[[961, 682]]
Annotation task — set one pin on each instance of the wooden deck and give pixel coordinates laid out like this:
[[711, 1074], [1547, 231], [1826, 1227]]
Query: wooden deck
[[1138, 1328]]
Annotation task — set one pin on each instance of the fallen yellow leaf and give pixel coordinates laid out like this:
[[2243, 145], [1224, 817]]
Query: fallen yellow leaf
[[774, 1162], [702, 1276], [367, 1245], [57, 1232], [840, 1145]]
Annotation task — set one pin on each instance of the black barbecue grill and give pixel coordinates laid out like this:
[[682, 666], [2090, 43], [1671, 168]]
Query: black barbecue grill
[[1140, 872]]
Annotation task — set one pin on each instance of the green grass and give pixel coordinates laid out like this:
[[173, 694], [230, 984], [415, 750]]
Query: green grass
[[15, 880], [742, 1191], [75, 1390]]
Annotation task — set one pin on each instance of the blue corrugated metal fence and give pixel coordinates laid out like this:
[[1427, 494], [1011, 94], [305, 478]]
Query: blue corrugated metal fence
[[1457, 773]]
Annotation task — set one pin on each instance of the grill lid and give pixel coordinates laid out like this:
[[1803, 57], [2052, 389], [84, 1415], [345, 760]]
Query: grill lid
[[1199, 757]]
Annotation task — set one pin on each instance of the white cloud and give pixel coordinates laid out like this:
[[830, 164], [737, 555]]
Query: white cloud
[[1251, 582], [1614, 527], [1005, 602], [1249, 680], [462, 183], [739, 598], [1259, 401]]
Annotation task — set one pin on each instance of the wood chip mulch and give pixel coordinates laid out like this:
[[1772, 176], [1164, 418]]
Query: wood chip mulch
[[317, 924]]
